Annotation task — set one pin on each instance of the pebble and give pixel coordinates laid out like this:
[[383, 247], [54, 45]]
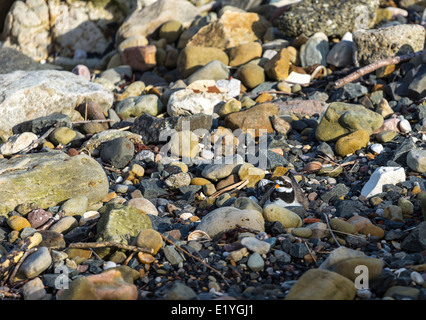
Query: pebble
[[124, 175], [255, 262], [39, 217], [64, 225], [34, 290], [35, 264], [256, 245]]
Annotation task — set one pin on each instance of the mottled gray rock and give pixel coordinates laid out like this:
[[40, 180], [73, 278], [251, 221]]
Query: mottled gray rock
[[375, 44], [333, 17]]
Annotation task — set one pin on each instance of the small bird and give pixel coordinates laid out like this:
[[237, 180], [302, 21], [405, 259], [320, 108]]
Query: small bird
[[284, 192]]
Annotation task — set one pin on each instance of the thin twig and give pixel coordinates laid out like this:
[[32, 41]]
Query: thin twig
[[88, 245], [331, 231], [35, 143], [196, 258], [374, 66], [310, 252], [92, 121]]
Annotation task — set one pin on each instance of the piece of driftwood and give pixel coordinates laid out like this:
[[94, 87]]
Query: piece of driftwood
[[374, 66]]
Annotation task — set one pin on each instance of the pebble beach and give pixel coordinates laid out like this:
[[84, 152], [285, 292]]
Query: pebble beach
[[143, 145]]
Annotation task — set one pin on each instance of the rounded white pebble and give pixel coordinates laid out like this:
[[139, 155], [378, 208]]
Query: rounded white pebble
[[405, 126], [417, 277], [377, 148]]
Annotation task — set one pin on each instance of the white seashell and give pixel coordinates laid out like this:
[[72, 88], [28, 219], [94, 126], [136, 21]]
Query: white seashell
[[87, 216], [198, 235], [397, 11], [109, 265], [185, 215]]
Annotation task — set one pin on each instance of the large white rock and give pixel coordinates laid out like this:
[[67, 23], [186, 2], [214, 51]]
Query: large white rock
[[26, 95], [186, 102], [380, 177], [226, 218]]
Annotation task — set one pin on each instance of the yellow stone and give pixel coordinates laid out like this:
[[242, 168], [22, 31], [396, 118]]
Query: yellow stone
[[249, 172], [278, 67], [110, 196], [264, 97], [150, 239], [278, 172], [416, 190], [145, 258], [352, 142], [199, 181], [137, 170], [18, 223]]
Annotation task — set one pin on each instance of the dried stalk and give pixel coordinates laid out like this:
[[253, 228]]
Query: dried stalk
[[236, 186], [196, 258], [91, 245], [331, 231], [374, 66], [310, 252], [10, 295], [92, 121]]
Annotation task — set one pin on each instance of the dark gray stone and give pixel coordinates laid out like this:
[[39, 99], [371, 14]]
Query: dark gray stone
[[349, 91], [152, 188], [298, 250], [338, 190], [416, 240], [401, 152], [42, 124], [274, 160], [118, 152], [417, 87], [347, 208], [150, 128]]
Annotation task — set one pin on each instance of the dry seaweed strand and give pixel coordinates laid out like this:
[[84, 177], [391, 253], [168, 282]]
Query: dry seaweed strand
[[374, 66], [91, 245]]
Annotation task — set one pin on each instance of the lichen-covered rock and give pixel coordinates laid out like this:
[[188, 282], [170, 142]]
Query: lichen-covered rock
[[341, 119], [333, 17], [317, 284], [120, 224], [49, 179]]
